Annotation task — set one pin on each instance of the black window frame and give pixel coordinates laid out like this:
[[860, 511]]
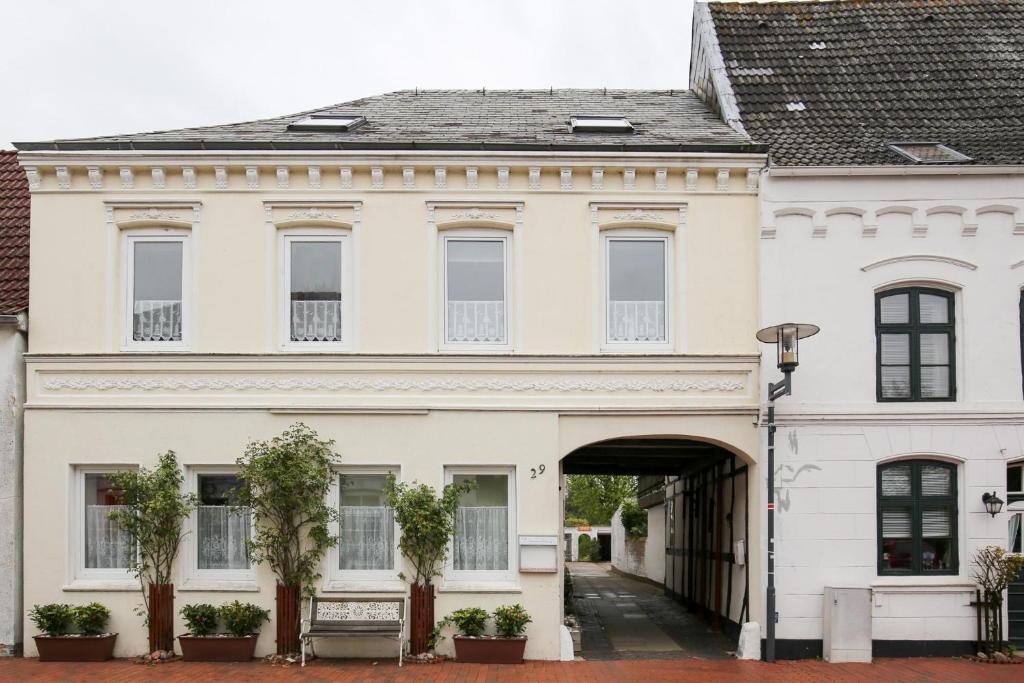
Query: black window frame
[[916, 501], [915, 328]]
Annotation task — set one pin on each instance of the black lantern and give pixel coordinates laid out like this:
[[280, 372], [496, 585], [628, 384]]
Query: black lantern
[[993, 503], [786, 338]]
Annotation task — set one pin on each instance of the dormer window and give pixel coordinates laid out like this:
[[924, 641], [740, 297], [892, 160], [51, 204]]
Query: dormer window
[[325, 122], [928, 153], [600, 124]]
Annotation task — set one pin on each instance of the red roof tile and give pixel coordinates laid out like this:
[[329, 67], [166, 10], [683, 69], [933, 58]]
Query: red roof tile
[[14, 222]]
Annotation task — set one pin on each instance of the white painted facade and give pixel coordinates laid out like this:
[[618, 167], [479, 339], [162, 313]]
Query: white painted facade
[[572, 539], [644, 556], [12, 399], [831, 239]]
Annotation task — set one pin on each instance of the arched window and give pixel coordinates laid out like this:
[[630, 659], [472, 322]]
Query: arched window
[[915, 345], [917, 518]]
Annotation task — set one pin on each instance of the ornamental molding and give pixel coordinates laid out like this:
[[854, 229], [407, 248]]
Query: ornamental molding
[[912, 258], [629, 179], [640, 215], [425, 385], [156, 215], [312, 214], [474, 215]]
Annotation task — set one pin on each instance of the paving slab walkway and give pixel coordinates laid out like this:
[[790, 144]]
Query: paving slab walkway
[[643, 671], [622, 618]]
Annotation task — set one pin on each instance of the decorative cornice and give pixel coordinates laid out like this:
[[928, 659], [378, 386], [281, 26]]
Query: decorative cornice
[[188, 177], [503, 177], [127, 178], [159, 178], [63, 177], [128, 383], [639, 215], [377, 177], [661, 179], [629, 179], [534, 177], [95, 177], [597, 178], [346, 177], [313, 174], [408, 177], [692, 175], [220, 177], [910, 258], [753, 177], [565, 178], [440, 177], [472, 178], [722, 180], [283, 179], [252, 177], [34, 179]]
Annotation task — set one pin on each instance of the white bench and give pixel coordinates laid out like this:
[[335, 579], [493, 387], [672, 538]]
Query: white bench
[[338, 617]]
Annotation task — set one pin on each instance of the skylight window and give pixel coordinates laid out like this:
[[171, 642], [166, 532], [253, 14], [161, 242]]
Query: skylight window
[[325, 122], [928, 153], [600, 124]]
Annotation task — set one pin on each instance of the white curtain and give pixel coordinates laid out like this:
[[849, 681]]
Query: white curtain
[[316, 320], [223, 531], [107, 545], [481, 538], [367, 537], [157, 320]]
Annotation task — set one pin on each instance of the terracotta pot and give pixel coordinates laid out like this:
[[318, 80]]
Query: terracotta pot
[[75, 648], [489, 650], [217, 648]]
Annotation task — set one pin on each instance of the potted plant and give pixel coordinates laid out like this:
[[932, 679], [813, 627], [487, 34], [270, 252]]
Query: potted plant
[[426, 525], [204, 644], [285, 482], [994, 570], [90, 644], [472, 645], [152, 512]]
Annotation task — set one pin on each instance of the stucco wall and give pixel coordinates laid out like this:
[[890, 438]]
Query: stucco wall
[[644, 556]]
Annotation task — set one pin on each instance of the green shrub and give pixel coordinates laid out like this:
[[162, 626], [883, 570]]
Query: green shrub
[[583, 553], [241, 619], [567, 592], [91, 619], [634, 519], [54, 619], [576, 520], [201, 619], [510, 620], [471, 621]]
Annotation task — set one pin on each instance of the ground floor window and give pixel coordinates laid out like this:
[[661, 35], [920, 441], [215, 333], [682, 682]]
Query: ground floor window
[[484, 523], [107, 544], [917, 518], [222, 530], [367, 523]]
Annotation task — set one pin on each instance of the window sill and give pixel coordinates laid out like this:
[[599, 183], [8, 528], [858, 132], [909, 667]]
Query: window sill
[[366, 586], [480, 587], [219, 585], [102, 585], [923, 584]]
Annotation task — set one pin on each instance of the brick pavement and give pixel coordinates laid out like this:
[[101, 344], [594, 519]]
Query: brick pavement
[[648, 671]]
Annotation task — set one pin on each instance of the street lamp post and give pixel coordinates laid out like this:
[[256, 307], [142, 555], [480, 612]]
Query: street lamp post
[[786, 338]]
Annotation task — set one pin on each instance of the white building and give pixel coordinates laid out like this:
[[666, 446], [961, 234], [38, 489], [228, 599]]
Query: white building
[[907, 407], [14, 218]]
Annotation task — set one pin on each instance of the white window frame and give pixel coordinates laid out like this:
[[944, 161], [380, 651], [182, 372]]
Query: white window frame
[[469, 578], [197, 579], [470, 235], [343, 236], [79, 574], [635, 235], [361, 580], [133, 237]]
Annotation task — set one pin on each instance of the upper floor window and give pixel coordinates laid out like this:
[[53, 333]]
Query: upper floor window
[[915, 345], [315, 273], [476, 291], [637, 290], [156, 277], [917, 518]]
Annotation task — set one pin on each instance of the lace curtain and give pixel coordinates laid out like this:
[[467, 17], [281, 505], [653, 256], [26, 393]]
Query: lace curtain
[[107, 545], [481, 538], [222, 533], [367, 537]]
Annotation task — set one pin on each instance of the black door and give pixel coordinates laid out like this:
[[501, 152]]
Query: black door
[[1015, 602], [605, 541]]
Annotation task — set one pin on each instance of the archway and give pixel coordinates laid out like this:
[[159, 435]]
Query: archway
[[700, 488]]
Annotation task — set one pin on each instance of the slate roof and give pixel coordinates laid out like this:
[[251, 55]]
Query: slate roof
[[14, 217], [869, 72], [462, 120]]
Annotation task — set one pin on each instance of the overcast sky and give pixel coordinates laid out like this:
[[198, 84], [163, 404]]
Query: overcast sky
[[76, 68]]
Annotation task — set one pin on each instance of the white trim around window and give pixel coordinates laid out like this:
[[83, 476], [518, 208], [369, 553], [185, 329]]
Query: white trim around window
[[483, 579], [194, 578], [332, 320], [478, 325], [337, 580], [651, 321], [175, 318], [79, 576]]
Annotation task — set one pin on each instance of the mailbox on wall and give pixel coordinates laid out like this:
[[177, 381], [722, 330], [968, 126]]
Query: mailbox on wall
[[538, 554]]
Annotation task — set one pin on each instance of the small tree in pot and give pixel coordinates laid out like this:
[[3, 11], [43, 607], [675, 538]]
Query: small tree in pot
[[285, 482], [995, 569], [427, 524], [152, 512]]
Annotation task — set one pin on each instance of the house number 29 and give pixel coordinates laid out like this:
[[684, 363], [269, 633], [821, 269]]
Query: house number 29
[[534, 471]]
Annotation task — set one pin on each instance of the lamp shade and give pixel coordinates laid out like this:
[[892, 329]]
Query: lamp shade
[[786, 338], [993, 503]]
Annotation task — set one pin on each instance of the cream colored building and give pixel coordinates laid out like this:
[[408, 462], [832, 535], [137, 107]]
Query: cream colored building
[[483, 303]]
